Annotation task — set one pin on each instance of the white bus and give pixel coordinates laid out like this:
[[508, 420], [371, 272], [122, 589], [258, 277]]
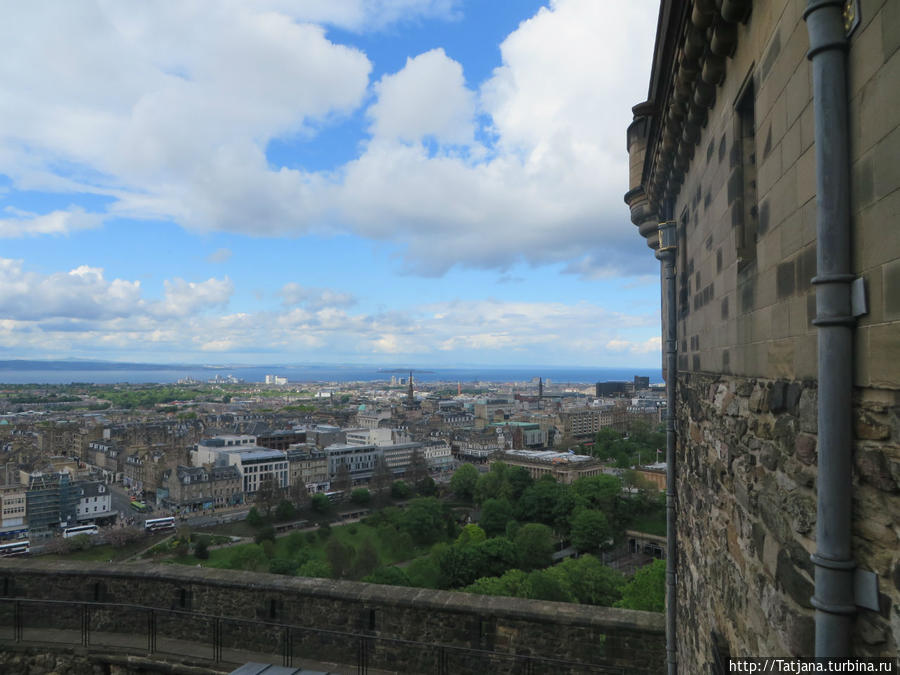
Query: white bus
[[75, 530], [159, 524], [20, 547]]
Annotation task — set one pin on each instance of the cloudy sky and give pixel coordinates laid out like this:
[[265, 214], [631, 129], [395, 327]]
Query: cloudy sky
[[287, 181]]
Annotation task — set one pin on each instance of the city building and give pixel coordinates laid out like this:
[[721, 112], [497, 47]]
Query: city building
[[765, 174], [13, 523], [308, 466], [562, 466], [94, 503], [192, 488]]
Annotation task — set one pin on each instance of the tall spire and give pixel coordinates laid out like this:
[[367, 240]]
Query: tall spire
[[409, 392], [540, 387]]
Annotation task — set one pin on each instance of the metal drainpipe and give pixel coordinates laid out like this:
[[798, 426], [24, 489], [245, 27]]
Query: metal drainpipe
[[834, 597], [666, 254]]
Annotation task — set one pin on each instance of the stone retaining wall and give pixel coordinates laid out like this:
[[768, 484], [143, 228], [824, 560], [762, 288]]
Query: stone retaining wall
[[632, 640]]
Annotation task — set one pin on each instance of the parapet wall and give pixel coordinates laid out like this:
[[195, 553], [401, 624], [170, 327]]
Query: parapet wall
[[633, 641]]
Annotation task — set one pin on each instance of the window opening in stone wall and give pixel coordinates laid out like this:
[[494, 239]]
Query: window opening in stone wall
[[742, 184]]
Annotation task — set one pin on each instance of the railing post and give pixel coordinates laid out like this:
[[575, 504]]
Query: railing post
[[17, 621], [85, 625], [287, 655]]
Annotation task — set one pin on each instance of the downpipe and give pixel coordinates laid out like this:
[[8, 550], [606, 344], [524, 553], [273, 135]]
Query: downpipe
[[834, 599], [666, 254]]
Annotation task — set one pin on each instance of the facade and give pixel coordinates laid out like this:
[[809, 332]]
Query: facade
[[360, 461], [564, 467], [94, 503], [51, 499], [256, 464], [308, 466], [775, 151], [281, 439], [192, 488], [13, 522]]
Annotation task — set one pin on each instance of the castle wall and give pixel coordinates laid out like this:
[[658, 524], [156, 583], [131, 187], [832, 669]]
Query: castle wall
[[615, 637]]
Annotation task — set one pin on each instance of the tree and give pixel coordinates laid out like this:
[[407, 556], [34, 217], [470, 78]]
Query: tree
[[201, 549], [314, 568], [266, 533], [390, 576], [342, 480], [591, 530], [381, 480], [647, 589], [367, 560], [495, 514], [496, 556], [592, 582], [340, 557], [470, 535], [547, 502], [426, 487], [509, 584], [519, 480], [320, 503], [598, 492], [298, 494], [534, 543], [418, 470], [360, 496], [400, 489], [254, 519], [458, 565], [283, 566], [548, 584], [285, 511], [463, 482], [424, 519], [493, 483], [268, 493]]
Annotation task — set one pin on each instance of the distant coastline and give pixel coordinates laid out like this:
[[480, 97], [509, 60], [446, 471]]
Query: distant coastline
[[109, 372]]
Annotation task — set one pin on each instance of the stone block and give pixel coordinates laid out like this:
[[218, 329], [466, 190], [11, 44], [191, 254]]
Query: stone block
[[890, 287], [780, 359], [805, 448], [884, 354], [890, 29], [877, 106], [798, 92], [792, 581], [808, 417], [886, 164], [873, 469], [865, 57]]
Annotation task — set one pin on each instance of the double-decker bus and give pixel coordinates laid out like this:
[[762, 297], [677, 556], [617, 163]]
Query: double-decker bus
[[80, 529], [140, 507], [159, 524], [20, 547]]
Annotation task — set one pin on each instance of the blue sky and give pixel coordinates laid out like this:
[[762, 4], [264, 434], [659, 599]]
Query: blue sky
[[406, 181]]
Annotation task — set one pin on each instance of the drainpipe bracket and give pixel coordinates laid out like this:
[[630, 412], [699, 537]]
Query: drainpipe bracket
[[858, 305], [865, 589]]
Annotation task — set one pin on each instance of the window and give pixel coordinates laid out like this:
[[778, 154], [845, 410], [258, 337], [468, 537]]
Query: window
[[742, 196]]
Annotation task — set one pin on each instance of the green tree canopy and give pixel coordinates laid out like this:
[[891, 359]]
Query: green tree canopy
[[471, 534], [463, 482], [592, 582], [390, 576], [495, 514], [424, 519], [534, 545], [590, 530], [647, 589]]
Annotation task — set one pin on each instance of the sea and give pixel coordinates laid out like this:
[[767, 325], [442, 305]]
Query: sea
[[35, 372]]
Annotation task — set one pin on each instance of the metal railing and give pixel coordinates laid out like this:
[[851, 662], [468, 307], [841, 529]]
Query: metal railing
[[138, 629]]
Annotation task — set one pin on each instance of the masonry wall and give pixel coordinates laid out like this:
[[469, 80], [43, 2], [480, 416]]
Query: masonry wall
[[746, 417], [631, 640]]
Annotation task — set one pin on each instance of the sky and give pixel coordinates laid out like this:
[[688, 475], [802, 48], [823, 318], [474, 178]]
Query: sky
[[422, 182]]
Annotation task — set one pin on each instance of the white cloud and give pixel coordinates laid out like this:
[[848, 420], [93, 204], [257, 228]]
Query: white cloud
[[82, 293], [220, 255], [26, 224], [314, 298], [168, 108], [186, 298], [428, 97]]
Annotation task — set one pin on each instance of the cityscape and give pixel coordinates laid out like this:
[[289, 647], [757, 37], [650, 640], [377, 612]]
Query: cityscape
[[444, 336]]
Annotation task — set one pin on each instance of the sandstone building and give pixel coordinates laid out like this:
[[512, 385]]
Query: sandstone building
[[782, 175]]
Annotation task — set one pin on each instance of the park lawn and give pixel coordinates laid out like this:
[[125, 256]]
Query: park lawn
[[353, 534]]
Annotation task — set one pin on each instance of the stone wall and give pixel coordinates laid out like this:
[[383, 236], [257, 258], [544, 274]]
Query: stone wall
[[621, 638], [746, 480]]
